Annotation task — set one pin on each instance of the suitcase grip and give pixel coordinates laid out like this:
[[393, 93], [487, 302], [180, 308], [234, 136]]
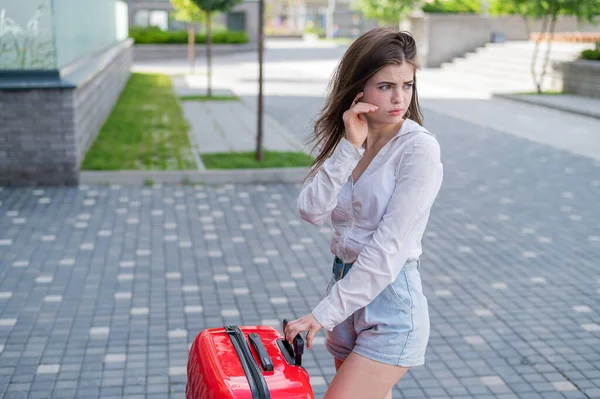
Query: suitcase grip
[[265, 359], [298, 350]]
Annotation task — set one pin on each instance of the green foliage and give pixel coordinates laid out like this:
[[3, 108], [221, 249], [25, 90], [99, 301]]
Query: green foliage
[[216, 5], [453, 6], [224, 37], [592, 54], [188, 11], [508, 7], [584, 10], [315, 31], [385, 11], [155, 35]]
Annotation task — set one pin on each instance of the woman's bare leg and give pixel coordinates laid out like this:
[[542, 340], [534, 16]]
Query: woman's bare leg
[[338, 364], [363, 378]]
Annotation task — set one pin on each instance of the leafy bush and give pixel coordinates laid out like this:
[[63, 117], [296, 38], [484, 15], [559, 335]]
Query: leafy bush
[[312, 29], [154, 35], [592, 54], [231, 37], [453, 6], [315, 31]]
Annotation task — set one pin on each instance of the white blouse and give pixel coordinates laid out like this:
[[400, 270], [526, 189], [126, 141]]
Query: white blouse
[[378, 220]]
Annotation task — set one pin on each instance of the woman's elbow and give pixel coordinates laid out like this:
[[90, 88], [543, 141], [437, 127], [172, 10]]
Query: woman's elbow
[[313, 218]]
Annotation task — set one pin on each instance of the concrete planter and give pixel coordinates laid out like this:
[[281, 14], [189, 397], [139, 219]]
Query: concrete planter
[[150, 52], [442, 37], [580, 77]]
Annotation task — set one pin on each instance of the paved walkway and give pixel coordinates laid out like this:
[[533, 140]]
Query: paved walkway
[[562, 130], [102, 288], [228, 126]]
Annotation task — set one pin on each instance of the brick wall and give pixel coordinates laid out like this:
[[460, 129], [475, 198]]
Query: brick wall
[[95, 100], [44, 133], [37, 144]]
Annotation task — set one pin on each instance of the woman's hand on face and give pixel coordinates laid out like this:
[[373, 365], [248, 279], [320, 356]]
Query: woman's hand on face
[[305, 323], [355, 121]]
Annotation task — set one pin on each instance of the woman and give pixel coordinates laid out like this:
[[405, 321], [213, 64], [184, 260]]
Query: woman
[[377, 174]]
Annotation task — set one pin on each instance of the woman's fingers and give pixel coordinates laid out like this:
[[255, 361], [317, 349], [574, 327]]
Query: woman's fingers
[[309, 338], [294, 328], [360, 108], [290, 331], [364, 108]]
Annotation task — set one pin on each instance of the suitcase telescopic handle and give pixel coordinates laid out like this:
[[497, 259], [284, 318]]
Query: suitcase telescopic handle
[[298, 350], [261, 351]]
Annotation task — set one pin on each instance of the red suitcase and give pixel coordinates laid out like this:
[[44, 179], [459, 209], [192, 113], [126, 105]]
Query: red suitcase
[[246, 363]]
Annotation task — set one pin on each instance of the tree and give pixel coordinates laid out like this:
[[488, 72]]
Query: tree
[[389, 12], [209, 7], [547, 11], [187, 11]]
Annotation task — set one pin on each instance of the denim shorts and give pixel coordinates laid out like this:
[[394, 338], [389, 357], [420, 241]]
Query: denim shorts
[[392, 329]]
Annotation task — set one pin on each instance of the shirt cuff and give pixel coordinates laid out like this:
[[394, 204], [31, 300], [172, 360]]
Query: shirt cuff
[[345, 151], [321, 314]]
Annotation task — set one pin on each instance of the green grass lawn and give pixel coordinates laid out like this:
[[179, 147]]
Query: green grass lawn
[[246, 160], [207, 98], [145, 131]]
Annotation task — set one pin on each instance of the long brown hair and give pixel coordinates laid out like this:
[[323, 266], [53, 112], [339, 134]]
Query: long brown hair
[[368, 54]]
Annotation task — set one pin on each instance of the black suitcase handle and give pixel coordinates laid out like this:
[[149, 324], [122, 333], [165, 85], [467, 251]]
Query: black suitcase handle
[[293, 355], [261, 351], [258, 384]]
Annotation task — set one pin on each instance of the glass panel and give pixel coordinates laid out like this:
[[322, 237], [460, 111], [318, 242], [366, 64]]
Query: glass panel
[[26, 35], [84, 27]]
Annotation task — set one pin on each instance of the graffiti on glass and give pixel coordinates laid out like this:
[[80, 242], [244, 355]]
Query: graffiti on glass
[[24, 47]]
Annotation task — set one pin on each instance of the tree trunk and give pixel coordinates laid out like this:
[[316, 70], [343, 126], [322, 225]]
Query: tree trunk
[[547, 56], [191, 46], [535, 53], [208, 53], [527, 26], [261, 38]]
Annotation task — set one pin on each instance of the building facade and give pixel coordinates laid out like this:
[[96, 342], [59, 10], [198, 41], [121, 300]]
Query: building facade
[[242, 17]]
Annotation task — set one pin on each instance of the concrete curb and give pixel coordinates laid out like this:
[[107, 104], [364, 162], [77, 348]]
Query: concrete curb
[[518, 98], [240, 176]]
